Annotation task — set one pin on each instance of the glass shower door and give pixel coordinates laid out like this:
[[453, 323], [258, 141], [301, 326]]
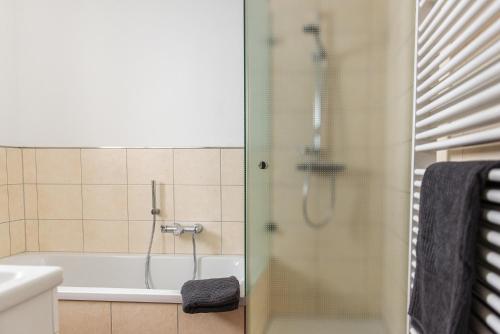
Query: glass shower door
[[327, 202], [258, 180]]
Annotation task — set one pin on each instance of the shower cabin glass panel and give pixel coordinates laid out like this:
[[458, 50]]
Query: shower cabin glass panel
[[326, 218], [258, 149]]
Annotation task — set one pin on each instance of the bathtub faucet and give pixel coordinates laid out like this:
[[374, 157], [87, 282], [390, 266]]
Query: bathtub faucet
[[178, 229]]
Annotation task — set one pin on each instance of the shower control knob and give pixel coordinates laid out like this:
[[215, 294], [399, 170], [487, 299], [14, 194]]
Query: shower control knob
[[263, 165]]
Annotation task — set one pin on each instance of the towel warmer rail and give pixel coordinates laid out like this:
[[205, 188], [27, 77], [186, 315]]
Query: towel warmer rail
[[456, 109]]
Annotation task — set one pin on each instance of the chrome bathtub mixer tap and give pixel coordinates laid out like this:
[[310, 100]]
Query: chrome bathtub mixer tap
[[176, 229]]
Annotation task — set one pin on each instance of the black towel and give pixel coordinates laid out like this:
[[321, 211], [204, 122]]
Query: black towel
[[450, 211], [211, 295]]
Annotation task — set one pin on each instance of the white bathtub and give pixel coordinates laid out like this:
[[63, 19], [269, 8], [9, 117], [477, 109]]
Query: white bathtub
[[120, 277]]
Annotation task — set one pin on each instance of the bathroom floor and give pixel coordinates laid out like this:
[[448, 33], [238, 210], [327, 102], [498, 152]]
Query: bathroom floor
[[289, 325]]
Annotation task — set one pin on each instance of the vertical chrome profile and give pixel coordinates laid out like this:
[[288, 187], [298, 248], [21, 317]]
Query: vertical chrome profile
[[320, 59]]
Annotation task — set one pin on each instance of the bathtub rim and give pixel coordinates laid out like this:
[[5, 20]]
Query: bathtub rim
[[132, 295], [123, 295]]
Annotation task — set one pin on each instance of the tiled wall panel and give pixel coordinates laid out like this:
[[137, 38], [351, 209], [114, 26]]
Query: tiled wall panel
[[12, 208], [99, 200], [83, 317]]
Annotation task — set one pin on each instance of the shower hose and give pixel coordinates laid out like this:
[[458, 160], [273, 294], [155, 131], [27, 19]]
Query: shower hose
[[147, 275], [305, 200]]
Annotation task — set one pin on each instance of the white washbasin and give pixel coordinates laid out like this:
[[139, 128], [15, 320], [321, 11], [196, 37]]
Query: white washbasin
[[20, 283]]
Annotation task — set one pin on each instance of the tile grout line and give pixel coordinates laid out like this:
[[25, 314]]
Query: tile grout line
[[23, 197], [8, 200], [220, 195], [173, 197], [177, 316], [128, 209], [37, 199], [111, 317], [81, 198]]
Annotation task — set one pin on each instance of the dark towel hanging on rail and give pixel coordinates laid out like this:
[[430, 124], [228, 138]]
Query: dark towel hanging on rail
[[449, 216]]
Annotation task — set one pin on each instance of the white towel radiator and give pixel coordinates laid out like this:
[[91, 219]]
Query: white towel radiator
[[457, 117]]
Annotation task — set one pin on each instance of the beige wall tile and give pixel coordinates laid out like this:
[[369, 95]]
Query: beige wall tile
[[105, 236], [17, 237], [197, 203], [150, 318], [30, 201], [59, 201], [295, 281], [220, 323], [139, 202], [258, 312], [14, 166], [140, 234], [61, 235], [105, 202], [4, 204], [144, 165], [104, 166], [32, 236], [197, 166], [233, 238], [208, 242], [488, 152], [80, 317], [347, 282], [232, 166], [4, 239], [58, 166], [16, 202], [233, 199], [3, 166], [29, 165], [62, 202]]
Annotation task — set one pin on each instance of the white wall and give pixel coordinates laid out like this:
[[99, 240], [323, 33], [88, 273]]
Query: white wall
[[126, 73], [6, 59]]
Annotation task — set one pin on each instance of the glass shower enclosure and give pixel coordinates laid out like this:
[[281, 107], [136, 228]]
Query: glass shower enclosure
[[319, 189]]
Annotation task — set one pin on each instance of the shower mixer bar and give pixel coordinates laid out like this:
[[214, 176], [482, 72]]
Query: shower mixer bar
[[178, 229], [316, 155]]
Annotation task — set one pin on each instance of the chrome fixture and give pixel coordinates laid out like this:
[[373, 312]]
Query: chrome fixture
[[178, 229], [316, 161], [320, 59], [154, 212]]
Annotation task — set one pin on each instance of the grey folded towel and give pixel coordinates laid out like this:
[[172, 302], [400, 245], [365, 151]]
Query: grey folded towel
[[450, 211], [211, 295]]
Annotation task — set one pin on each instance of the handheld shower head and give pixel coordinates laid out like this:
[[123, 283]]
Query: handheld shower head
[[315, 29]]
